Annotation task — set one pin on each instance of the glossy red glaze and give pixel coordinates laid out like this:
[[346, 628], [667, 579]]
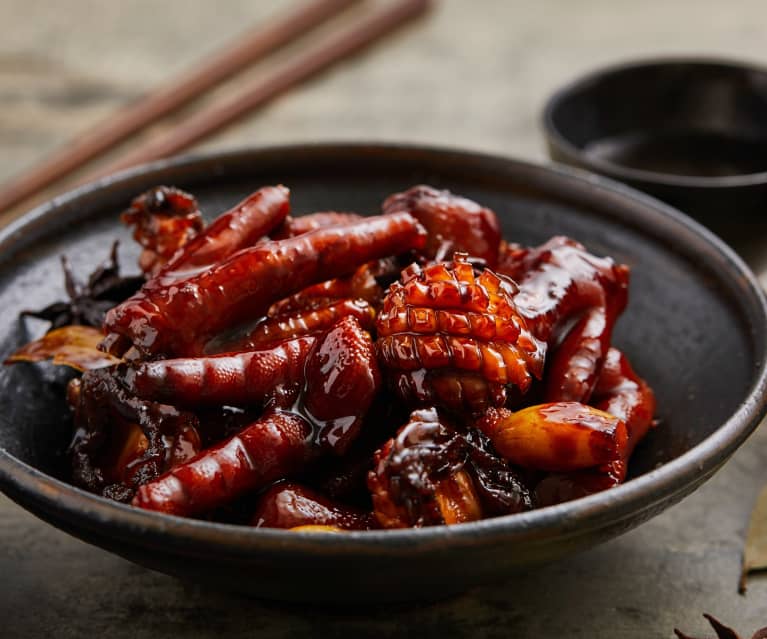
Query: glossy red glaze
[[434, 472], [240, 227], [559, 282], [620, 392], [361, 285], [446, 318], [556, 437], [165, 219], [295, 226], [180, 316], [454, 223], [236, 379], [461, 393], [121, 441], [298, 372], [561, 487], [288, 505], [278, 328], [403, 481], [340, 381], [265, 451]]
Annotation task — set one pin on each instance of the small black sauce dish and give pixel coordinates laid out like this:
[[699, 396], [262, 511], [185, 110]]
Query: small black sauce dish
[[692, 132]]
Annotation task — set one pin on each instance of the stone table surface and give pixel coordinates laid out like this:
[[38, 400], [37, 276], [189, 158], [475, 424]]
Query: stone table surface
[[472, 75]]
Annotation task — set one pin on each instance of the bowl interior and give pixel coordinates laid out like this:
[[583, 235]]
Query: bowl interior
[[695, 119], [682, 330], [694, 328]]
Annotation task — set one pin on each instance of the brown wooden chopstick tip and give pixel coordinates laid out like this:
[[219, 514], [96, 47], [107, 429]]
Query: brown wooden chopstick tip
[[244, 51], [331, 49]]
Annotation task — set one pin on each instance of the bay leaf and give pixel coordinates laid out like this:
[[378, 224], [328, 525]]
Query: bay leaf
[[755, 551], [73, 346]]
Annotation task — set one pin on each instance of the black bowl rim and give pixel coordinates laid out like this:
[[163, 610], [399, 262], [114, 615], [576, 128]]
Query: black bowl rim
[[559, 140], [572, 519]]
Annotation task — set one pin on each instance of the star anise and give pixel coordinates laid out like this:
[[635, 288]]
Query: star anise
[[722, 631], [88, 302]]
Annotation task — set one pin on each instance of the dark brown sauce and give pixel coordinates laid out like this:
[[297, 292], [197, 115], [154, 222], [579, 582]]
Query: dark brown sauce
[[688, 153]]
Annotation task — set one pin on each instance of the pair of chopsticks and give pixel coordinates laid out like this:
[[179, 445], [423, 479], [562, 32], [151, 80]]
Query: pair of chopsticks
[[247, 50]]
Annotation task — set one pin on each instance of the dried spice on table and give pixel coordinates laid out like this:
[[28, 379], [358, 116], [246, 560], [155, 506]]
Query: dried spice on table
[[90, 300], [755, 549], [722, 631]]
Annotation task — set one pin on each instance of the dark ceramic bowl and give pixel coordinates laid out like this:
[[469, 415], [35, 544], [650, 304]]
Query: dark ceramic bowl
[[695, 329], [690, 132]]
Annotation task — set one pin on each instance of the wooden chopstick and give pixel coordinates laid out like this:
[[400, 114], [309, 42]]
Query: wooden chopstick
[[252, 46], [327, 51]]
